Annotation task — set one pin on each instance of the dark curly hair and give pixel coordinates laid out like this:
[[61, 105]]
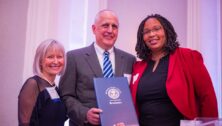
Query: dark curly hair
[[143, 52]]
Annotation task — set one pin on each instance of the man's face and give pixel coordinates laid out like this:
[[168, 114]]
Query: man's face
[[105, 29]]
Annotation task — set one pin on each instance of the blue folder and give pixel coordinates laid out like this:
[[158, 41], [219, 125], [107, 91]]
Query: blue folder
[[114, 98]]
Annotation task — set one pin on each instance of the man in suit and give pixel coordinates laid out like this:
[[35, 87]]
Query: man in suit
[[76, 85]]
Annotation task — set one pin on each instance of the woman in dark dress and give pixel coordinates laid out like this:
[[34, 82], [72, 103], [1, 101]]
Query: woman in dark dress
[[170, 83], [39, 103]]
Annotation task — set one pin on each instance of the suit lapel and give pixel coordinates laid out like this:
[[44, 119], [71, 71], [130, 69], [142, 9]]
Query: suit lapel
[[119, 62], [92, 60]]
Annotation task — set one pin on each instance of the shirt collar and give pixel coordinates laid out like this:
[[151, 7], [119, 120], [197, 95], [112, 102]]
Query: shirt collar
[[101, 50]]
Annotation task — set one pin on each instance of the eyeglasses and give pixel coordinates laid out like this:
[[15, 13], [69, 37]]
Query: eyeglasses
[[154, 30]]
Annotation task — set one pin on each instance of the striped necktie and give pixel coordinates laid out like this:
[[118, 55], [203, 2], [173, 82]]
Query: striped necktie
[[107, 66]]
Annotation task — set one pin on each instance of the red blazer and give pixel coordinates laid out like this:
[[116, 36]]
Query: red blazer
[[188, 84]]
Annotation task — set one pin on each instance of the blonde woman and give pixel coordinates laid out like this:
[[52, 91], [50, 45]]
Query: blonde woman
[[39, 103]]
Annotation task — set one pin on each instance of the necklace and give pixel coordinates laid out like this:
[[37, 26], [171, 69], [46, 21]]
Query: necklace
[[45, 78], [156, 58]]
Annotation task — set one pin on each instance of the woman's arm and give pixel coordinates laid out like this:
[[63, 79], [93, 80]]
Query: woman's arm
[[26, 101]]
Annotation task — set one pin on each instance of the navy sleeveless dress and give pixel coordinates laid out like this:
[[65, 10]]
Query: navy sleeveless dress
[[46, 111]]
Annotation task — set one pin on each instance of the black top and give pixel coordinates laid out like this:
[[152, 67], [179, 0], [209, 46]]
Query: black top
[[155, 107], [36, 105]]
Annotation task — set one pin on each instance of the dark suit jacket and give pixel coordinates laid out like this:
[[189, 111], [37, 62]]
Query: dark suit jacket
[[188, 84], [76, 85]]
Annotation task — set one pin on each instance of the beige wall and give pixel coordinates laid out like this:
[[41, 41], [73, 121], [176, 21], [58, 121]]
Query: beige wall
[[221, 27], [13, 21], [132, 12], [13, 28]]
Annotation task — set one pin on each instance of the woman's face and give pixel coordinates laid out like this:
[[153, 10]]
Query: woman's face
[[154, 35], [53, 62]]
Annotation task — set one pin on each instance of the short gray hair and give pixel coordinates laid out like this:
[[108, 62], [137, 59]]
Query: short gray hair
[[41, 53], [97, 17]]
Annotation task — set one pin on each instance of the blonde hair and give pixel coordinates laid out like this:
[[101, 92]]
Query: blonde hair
[[41, 53]]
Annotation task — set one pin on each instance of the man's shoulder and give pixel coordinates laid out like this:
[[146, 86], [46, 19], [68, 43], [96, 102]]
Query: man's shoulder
[[124, 53], [79, 50]]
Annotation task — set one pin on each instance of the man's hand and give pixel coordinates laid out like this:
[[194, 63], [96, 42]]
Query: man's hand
[[93, 116], [119, 124]]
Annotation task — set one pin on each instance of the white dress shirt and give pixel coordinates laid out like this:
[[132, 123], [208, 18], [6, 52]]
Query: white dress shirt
[[99, 53]]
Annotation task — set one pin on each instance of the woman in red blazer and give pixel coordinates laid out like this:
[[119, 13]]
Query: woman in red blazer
[[170, 83]]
